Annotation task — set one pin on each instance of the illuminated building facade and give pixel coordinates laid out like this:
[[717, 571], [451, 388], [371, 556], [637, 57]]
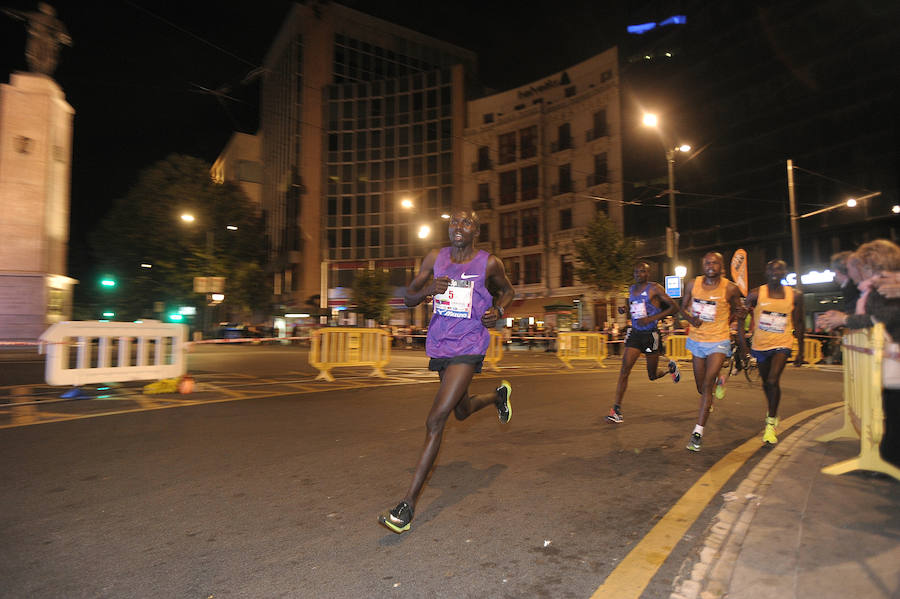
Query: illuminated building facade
[[357, 114], [541, 161]]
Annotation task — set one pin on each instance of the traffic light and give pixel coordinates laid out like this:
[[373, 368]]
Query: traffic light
[[176, 317], [108, 282]]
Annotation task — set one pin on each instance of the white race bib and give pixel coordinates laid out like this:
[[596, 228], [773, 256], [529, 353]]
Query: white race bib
[[638, 310], [772, 322], [704, 309], [456, 302]]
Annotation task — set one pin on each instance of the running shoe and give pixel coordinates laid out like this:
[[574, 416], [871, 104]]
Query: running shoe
[[614, 417], [398, 519], [673, 370], [769, 437], [504, 407], [695, 442], [720, 387]]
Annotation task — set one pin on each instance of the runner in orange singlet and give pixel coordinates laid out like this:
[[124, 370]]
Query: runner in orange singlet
[[709, 306], [777, 319]]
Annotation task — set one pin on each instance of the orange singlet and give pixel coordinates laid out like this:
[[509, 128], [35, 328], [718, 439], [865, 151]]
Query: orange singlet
[[773, 322], [713, 309]]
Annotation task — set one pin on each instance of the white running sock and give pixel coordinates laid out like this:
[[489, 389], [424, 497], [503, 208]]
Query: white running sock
[[698, 429]]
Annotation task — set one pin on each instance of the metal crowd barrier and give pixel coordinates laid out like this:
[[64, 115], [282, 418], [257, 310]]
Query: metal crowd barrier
[[863, 412], [112, 352], [812, 352], [494, 351], [581, 346], [333, 347], [675, 347]]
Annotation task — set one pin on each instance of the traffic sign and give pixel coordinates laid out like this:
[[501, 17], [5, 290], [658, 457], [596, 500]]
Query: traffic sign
[[673, 286]]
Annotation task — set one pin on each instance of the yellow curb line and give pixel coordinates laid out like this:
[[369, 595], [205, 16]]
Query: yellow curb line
[[633, 574]]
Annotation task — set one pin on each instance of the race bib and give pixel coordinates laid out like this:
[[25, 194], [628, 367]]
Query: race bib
[[772, 322], [456, 302], [638, 310], [705, 310]]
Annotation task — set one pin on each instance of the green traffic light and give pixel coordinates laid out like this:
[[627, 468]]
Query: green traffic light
[[108, 282], [176, 317]]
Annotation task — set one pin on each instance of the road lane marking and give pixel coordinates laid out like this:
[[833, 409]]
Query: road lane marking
[[634, 572]]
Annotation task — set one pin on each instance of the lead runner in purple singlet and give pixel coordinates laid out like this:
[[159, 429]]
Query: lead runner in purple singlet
[[470, 291]]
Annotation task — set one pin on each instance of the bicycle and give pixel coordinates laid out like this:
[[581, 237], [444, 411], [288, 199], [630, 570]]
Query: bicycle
[[734, 364]]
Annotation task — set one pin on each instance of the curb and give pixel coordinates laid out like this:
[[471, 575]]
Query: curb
[[711, 570]]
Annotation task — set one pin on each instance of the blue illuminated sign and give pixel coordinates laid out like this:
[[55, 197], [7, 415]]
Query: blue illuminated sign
[[645, 27], [673, 286]]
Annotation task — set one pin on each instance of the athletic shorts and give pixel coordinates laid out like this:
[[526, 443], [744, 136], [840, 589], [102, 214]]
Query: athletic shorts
[[702, 349], [439, 364], [762, 355], [645, 341]]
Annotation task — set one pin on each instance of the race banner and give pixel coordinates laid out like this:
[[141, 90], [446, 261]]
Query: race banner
[[739, 270]]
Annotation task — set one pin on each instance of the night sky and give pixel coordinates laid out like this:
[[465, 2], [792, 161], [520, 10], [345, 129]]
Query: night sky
[[137, 71]]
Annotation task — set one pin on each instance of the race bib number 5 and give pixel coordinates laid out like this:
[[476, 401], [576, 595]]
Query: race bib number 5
[[456, 302]]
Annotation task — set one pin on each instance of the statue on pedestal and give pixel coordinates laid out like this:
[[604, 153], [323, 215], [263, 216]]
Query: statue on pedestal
[[45, 34]]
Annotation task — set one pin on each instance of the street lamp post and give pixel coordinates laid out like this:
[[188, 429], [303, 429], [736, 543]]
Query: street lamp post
[[651, 120], [795, 218]]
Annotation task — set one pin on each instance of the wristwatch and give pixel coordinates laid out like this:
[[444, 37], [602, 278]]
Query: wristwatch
[[500, 310]]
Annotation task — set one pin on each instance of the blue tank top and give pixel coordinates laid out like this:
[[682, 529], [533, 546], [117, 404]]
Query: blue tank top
[[639, 305], [455, 328]]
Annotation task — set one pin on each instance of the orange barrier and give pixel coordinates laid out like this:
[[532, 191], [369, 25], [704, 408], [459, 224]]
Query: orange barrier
[[581, 346], [495, 350], [333, 347], [863, 352]]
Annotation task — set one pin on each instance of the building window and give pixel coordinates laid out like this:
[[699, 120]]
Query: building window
[[508, 187], [566, 271], [570, 91], [563, 138], [564, 175], [484, 159], [601, 128], [565, 219], [601, 168], [488, 118], [529, 183], [528, 142], [532, 269], [509, 230], [506, 152], [484, 195], [513, 270], [531, 226], [484, 232]]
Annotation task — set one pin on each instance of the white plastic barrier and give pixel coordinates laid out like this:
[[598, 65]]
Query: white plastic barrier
[[81, 352]]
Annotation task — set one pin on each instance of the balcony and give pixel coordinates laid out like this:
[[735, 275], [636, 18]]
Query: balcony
[[596, 133], [482, 204], [568, 234], [562, 187], [562, 144], [597, 179], [482, 165]]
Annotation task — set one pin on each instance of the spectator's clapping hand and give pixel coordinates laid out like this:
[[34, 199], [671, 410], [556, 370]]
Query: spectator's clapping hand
[[830, 320]]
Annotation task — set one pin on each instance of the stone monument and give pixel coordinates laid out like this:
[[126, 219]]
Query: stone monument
[[35, 172]]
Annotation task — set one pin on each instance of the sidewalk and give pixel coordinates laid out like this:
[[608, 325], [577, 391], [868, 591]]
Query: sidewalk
[[790, 531]]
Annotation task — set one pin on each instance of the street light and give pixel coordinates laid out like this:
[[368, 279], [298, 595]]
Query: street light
[[795, 218], [651, 120]]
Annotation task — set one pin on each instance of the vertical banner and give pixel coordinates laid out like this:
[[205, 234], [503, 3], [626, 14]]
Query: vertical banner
[[739, 270]]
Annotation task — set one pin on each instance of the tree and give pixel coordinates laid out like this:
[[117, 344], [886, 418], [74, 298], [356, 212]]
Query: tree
[[145, 227], [605, 257], [371, 294]]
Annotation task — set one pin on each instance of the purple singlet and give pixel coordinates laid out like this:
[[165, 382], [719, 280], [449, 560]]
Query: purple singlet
[[455, 328]]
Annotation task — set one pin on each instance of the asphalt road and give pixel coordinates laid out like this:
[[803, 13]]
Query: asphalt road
[[267, 484]]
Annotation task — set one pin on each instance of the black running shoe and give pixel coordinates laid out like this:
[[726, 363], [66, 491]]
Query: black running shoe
[[398, 519], [504, 407], [673, 370]]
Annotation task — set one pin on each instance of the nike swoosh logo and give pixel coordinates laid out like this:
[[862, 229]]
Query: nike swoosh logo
[[465, 276]]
